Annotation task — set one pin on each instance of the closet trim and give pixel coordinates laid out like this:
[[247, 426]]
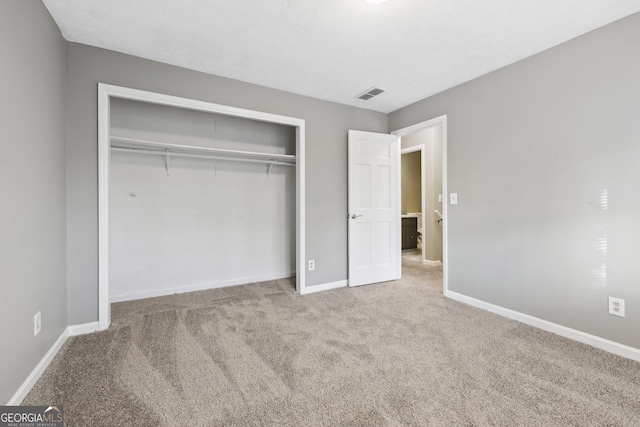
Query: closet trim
[[105, 93]]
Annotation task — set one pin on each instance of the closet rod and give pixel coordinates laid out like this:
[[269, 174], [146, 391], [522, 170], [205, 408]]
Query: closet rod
[[202, 156], [122, 142]]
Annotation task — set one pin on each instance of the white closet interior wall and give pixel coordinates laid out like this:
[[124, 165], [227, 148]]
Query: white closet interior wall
[[209, 223]]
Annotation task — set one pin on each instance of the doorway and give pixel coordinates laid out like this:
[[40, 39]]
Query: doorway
[[106, 93], [428, 140], [412, 178]]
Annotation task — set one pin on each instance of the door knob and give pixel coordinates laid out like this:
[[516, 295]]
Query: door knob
[[354, 216]]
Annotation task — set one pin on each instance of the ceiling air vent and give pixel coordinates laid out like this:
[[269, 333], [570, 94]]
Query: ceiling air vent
[[370, 93]]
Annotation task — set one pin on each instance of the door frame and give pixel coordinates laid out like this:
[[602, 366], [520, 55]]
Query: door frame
[[427, 124], [105, 93], [423, 202]]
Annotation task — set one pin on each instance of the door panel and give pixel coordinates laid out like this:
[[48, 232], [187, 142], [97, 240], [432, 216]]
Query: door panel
[[373, 208], [363, 178], [384, 235]]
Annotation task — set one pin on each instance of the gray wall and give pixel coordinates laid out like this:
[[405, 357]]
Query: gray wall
[[326, 144], [32, 184], [411, 187], [544, 157]]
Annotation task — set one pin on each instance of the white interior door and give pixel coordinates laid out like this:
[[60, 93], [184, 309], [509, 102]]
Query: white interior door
[[374, 218]]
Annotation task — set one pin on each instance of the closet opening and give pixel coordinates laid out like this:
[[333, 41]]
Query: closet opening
[[194, 196]]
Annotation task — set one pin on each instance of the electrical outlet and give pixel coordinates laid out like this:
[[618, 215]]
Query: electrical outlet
[[312, 265], [616, 306], [37, 323]]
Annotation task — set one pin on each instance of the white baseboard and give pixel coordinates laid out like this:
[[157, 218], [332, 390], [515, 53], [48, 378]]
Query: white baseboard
[[583, 337], [199, 287], [32, 379], [435, 263], [37, 372], [85, 328], [324, 287]]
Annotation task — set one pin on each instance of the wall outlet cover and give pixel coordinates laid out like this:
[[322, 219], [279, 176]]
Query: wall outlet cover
[[312, 265], [616, 306]]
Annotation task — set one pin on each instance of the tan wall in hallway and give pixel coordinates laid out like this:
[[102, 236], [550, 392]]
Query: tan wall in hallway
[[411, 186]]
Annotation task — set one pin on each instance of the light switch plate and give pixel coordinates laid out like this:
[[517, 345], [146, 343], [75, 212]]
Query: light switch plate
[[453, 198], [37, 323]]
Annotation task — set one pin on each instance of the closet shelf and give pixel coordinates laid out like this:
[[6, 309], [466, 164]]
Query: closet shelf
[[141, 146]]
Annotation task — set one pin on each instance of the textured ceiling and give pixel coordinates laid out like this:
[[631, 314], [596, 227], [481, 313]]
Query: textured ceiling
[[335, 49]]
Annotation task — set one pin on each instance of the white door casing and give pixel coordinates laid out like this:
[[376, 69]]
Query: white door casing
[[374, 216]]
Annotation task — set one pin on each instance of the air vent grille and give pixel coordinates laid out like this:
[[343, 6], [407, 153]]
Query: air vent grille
[[370, 93]]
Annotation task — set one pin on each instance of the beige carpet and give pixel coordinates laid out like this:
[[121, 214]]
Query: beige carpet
[[389, 354], [415, 255]]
